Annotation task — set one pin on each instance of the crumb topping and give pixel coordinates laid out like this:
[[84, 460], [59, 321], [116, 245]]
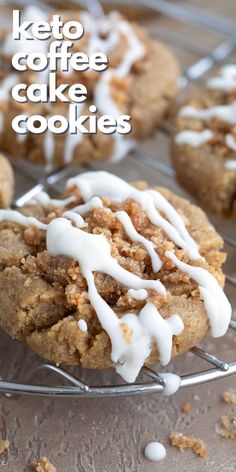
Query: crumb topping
[[4, 445], [186, 407], [228, 427], [43, 464], [230, 397], [188, 442]]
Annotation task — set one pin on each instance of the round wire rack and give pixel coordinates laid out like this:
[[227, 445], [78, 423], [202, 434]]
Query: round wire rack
[[152, 382]]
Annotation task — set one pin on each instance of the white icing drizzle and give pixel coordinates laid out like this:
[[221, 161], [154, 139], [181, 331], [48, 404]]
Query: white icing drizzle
[[1, 121], [123, 147], [64, 239], [155, 451], [135, 51], [42, 198], [73, 216], [48, 148], [95, 202], [141, 294], [132, 334], [16, 217], [112, 26], [231, 164], [104, 25], [226, 113], [193, 138], [162, 330], [216, 303], [172, 383], [102, 93], [197, 138], [5, 88], [72, 140], [83, 326], [131, 232], [82, 246], [226, 80], [107, 106], [230, 141], [103, 184], [6, 85]]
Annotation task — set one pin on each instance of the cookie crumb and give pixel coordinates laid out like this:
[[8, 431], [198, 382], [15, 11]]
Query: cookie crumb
[[185, 442], [229, 427], [43, 464], [229, 397], [4, 445], [186, 407]]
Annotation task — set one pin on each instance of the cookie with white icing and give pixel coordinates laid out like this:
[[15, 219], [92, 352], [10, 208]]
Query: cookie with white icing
[[204, 144], [111, 275], [6, 182], [141, 81]]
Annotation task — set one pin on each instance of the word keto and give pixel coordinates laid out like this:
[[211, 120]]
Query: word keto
[[46, 50], [44, 30]]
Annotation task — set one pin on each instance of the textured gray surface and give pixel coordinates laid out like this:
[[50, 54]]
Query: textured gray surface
[[108, 435]]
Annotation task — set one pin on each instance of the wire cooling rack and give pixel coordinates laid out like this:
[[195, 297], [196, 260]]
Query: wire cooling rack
[[155, 168]]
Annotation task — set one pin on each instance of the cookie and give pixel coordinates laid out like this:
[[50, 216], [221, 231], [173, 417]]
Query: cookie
[[141, 82], [204, 144], [6, 182], [111, 275]]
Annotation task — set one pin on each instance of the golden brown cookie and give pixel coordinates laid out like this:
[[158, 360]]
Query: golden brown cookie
[[204, 144], [59, 302], [144, 90]]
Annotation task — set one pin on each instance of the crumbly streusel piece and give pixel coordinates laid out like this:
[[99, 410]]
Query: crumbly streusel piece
[[228, 427], [43, 464], [188, 442], [186, 407], [4, 445], [230, 397]]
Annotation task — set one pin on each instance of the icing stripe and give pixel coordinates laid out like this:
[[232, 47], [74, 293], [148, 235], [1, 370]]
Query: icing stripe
[[16, 217], [226, 81], [226, 113], [193, 138], [130, 230], [103, 184], [216, 303], [42, 198]]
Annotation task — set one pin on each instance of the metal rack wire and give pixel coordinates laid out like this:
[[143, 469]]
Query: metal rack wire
[[34, 181]]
